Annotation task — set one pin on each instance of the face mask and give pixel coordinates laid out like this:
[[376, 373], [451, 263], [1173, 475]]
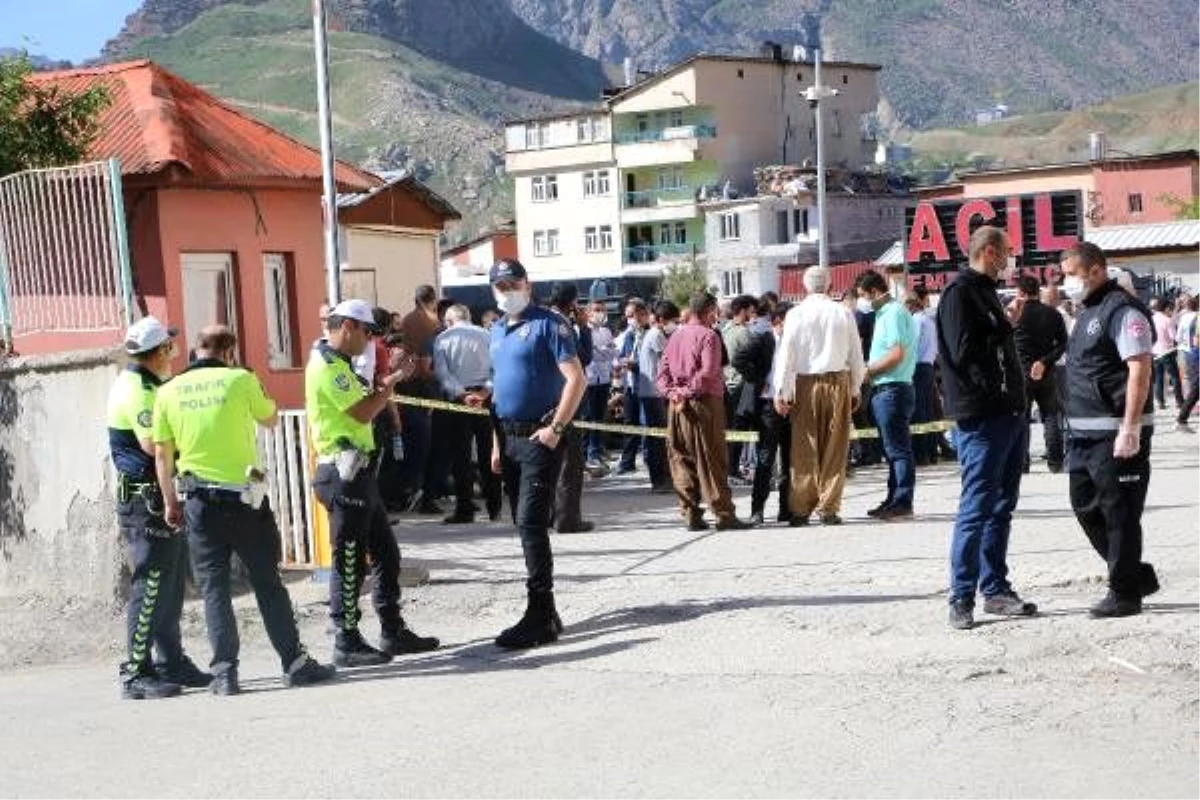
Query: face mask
[[1074, 288], [864, 306], [1010, 269], [760, 325], [669, 328], [512, 302], [599, 318]]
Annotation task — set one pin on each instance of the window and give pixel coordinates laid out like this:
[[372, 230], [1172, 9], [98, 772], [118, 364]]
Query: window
[[535, 135], [670, 177], [1135, 203], [664, 233], [643, 123], [845, 79], [545, 243], [800, 221], [584, 131], [596, 184], [781, 228], [277, 280], [837, 123], [591, 239], [606, 237], [731, 282], [680, 233], [544, 188], [677, 118], [731, 228], [552, 241]]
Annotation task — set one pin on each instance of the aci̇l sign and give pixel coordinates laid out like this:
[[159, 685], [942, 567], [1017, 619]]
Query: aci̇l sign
[[1041, 226]]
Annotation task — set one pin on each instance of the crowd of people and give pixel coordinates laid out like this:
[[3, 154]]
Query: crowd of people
[[799, 377]]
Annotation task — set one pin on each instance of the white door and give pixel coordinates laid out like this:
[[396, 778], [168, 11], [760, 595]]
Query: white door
[[207, 292]]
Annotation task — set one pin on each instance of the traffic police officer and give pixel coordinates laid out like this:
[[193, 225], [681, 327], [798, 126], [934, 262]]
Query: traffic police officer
[[538, 383], [204, 429], [1110, 416], [157, 552], [341, 406]]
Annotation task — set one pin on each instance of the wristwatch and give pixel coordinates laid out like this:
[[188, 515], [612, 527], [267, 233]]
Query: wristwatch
[[559, 428]]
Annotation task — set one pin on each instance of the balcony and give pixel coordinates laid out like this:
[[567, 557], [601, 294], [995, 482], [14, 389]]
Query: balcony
[[655, 146], [667, 134], [658, 205], [660, 253]]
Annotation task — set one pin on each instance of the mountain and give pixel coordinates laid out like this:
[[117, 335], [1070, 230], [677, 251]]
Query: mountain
[[37, 61], [417, 84], [941, 58], [427, 84]]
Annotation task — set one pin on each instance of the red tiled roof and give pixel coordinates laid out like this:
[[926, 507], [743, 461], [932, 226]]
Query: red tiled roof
[[157, 120]]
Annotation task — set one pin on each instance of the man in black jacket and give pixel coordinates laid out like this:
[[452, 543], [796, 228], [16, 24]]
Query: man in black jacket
[[984, 391], [1041, 338], [754, 362]]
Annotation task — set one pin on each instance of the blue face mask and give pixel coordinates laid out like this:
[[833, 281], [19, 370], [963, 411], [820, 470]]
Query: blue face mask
[[760, 325]]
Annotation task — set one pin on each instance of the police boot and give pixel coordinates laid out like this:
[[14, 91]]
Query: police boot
[[398, 640], [351, 650], [540, 625], [139, 684]]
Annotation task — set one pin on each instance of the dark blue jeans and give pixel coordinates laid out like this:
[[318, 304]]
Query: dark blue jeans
[[653, 414], [595, 409], [990, 452], [893, 406], [417, 430], [633, 443]]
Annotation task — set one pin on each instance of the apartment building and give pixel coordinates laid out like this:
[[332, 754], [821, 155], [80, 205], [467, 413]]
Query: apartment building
[[617, 191]]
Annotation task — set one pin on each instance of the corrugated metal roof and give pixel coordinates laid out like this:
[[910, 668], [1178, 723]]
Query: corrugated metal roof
[[157, 120], [892, 257], [1181, 234], [403, 180]]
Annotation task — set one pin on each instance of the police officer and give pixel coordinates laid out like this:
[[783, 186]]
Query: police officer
[[1110, 419], [204, 429], [157, 552], [537, 387], [341, 406]]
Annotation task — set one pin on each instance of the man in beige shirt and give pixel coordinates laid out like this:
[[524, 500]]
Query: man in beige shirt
[[817, 381]]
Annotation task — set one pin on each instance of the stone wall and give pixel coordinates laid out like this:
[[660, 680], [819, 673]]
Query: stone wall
[[58, 533]]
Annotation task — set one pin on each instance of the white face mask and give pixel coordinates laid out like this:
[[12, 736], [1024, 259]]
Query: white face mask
[[669, 328], [513, 302], [1010, 269], [1074, 287], [599, 318], [864, 306]]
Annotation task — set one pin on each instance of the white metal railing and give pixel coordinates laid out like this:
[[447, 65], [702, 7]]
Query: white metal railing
[[286, 456], [64, 256]]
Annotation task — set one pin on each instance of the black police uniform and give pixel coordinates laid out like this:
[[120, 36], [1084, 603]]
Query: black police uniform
[[1108, 494]]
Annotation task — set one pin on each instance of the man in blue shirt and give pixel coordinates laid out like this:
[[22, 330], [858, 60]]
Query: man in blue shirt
[[537, 385], [890, 368]]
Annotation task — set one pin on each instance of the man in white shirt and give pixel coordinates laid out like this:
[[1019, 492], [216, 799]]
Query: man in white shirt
[[817, 381]]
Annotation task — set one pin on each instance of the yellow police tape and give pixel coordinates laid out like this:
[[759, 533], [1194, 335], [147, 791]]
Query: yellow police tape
[[638, 430]]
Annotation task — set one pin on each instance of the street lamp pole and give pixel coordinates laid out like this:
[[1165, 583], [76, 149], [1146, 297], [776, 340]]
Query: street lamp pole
[[814, 95], [333, 266]]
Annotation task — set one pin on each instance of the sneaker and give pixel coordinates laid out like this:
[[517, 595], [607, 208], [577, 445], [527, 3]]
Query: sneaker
[[895, 514], [1147, 579], [225, 683], [1009, 604], [351, 650], [583, 526], [756, 519], [146, 686], [1113, 605], [185, 673], [307, 671], [733, 524], [798, 521], [460, 518], [962, 615], [404, 641], [831, 519]]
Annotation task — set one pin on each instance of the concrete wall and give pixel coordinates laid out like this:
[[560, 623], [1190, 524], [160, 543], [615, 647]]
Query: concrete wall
[[58, 534], [399, 262]]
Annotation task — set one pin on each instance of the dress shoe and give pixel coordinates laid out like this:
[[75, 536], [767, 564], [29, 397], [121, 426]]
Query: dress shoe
[[225, 683], [1147, 579], [962, 615], [583, 526], [697, 524], [797, 521], [460, 518], [1113, 605], [1009, 604], [877, 510], [831, 519], [733, 524], [895, 514], [308, 672]]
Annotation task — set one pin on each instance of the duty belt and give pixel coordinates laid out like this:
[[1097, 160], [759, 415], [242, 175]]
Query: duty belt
[[1104, 423], [128, 487], [251, 494]]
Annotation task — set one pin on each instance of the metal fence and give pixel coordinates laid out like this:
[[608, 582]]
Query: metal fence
[[64, 255], [289, 464]]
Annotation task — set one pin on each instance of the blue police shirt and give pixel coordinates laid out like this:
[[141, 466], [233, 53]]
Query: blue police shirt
[[527, 382]]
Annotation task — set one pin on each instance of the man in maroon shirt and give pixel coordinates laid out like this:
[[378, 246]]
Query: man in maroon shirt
[[691, 379]]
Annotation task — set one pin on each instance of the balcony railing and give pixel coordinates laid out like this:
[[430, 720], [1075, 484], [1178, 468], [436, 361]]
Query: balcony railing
[[649, 253], [667, 134], [650, 198]]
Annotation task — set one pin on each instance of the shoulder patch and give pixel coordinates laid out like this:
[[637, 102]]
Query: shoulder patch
[[145, 418], [1093, 327], [1136, 325], [564, 329], [342, 381]]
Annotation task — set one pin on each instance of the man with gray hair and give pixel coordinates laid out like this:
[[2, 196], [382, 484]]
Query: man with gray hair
[[817, 381], [462, 363]]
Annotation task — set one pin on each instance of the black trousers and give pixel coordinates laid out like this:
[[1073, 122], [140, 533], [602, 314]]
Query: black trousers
[[219, 526], [530, 471], [568, 494], [158, 566], [1045, 394], [633, 442], [924, 444], [774, 438], [1108, 496], [462, 431], [359, 528]]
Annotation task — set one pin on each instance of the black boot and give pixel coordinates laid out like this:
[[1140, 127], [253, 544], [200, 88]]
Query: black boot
[[536, 627], [398, 640], [1147, 579], [351, 650]]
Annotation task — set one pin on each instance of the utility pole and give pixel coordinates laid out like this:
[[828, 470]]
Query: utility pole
[[333, 266], [814, 95]]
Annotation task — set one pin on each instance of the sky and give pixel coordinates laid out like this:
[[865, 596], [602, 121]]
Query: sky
[[74, 30]]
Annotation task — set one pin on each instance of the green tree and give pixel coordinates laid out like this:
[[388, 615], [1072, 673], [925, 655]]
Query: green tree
[[683, 279], [44, 126], [1184, 209]]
